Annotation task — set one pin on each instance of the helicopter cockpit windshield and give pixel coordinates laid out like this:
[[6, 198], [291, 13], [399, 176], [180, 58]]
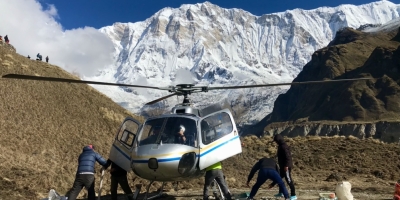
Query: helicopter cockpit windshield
[[169, 130]]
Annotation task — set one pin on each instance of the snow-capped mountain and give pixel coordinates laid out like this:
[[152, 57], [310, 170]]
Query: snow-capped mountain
[[225, 47]]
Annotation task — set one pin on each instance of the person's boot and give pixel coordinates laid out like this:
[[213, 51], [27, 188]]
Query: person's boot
[[279, 195], [130, 197], [228, 196]]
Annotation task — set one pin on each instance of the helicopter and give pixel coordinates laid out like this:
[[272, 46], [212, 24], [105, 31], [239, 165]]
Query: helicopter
[[179, 145]]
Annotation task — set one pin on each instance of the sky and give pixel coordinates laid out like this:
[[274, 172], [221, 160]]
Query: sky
[[100, 13], [66, 30]]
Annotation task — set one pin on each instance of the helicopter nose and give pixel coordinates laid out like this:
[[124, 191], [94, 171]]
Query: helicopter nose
[[153, 163], [187, 162]]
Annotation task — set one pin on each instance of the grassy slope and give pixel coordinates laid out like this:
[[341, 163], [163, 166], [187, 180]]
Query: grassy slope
[[44, 126]]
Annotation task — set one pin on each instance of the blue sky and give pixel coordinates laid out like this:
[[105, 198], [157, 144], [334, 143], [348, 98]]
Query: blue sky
[[67, 30], [99, 13]]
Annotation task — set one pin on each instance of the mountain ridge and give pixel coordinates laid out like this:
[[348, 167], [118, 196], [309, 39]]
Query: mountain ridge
[[225, 47], [351, 54]]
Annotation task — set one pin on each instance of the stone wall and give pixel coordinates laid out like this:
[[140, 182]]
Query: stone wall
[[385, 131]]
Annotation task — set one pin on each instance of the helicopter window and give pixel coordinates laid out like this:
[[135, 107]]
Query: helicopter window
[[151, 131], [126, 134], [127, 137], [180, 130], [215, 127]]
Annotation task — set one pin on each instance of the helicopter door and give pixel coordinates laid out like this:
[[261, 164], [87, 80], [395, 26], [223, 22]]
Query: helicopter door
[[124, 143], [219, 138]]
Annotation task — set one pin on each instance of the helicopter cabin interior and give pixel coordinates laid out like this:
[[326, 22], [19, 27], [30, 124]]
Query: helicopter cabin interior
[[165, 130]]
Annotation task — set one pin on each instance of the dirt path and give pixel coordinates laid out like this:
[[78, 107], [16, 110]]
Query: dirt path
[[262, 194]]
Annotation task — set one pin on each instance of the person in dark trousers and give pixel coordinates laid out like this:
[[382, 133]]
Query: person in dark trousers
[[118, 176], [267, 169], [215, 172], [285, 165], [6, 39], [29, 57], [47, 59], [85, 174]]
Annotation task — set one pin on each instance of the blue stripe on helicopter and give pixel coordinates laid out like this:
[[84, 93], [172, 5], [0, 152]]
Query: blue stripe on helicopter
[[218, 146], [174, 158], [159, 160]]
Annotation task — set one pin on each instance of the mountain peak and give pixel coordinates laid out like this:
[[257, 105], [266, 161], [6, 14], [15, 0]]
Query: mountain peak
[[227, 47]]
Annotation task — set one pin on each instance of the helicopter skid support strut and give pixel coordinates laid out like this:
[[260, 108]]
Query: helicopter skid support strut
[[155, 196]]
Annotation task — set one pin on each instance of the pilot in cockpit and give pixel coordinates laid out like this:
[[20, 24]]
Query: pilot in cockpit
[[180, 137], [184, 136]]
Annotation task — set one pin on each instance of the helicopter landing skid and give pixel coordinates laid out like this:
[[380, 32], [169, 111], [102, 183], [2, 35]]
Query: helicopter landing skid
[[155, 196], [217, 191]]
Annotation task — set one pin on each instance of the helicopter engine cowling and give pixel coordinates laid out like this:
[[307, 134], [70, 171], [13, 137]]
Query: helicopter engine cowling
[[185, 110]]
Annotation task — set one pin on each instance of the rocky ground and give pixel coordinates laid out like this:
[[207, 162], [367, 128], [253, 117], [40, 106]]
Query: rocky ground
[[261, 195], [320, 163]]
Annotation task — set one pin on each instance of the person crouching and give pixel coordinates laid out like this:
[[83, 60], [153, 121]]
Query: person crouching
[[267, 169]]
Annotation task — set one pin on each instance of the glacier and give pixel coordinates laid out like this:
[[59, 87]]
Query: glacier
[[205, 44]]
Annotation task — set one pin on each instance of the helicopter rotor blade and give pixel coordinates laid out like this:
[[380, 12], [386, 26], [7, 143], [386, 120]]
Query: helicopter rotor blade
[[162, 98], [53, 79], [281, 84]]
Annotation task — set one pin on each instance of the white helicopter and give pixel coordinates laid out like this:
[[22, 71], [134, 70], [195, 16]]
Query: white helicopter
[[177, 146]]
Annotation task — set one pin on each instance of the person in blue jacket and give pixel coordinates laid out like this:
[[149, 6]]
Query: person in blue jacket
[[85, 174], [267, 169]]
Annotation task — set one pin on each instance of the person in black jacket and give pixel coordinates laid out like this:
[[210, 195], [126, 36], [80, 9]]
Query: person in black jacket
[[118, 176], [85, 174], [285, 164], [267, 169], [6, 39]]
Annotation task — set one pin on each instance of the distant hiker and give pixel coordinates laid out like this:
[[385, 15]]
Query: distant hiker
[[267, 169], [38, 57], [29, 57], [47, 59], [285, 165], [1, 38], [119, 176], [215, 172], [85, 174], [6, 39]]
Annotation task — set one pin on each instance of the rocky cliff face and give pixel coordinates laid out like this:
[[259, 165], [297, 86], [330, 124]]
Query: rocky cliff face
[[352, 54], [385, 131]]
